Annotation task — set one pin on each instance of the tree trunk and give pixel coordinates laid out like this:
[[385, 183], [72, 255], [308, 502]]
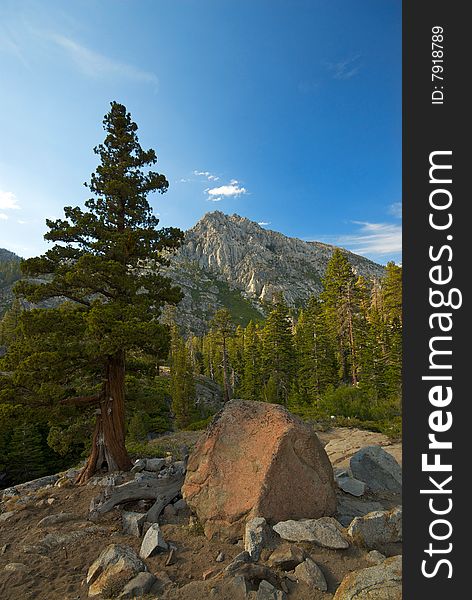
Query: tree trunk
[[108, 444]]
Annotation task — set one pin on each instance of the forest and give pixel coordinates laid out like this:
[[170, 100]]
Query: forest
[[101, 369]]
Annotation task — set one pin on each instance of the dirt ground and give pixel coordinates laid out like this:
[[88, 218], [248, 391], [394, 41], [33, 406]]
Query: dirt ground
[[52, 562]]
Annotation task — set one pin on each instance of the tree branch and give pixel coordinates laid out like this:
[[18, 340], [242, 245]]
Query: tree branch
[[80, 400]]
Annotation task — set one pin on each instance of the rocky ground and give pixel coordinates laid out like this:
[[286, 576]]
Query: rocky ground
[[49, 547]]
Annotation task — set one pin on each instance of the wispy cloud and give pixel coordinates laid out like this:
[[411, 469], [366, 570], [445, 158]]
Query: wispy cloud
[[375, 239], [395, 210], [232, 189], [344, 69], [93, 64], [8, 201], [3, 217], [207, 175], [263, 223]]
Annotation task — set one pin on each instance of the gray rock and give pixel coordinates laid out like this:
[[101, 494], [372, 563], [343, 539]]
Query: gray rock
[[325, 532], [377, 528], [145, 476], [286, 557], [132, 523], [180, 505], [257, 535], [153, 542], [378, 469], [139, 466], [155, 464], [375, 557], [55, 519], [238, 560], [310, 573], [381, 582], [138, 586], [220, 558], [29, 486], [350, 485], [4, 548], [115, 562], [349, 508], [267, 591]]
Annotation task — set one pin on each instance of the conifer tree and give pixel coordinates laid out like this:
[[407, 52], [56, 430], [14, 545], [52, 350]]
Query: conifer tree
[[341, 306], [106, 263], [222, 328], [278, 353], [252, 367], [182, 384]]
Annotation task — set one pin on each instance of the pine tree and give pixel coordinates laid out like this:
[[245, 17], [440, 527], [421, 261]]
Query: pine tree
[[341, 306], [26, 457], [9, 325], [278, 353], [252, 367], [222, 328], [182, 385], [315, 354], [105, 262]]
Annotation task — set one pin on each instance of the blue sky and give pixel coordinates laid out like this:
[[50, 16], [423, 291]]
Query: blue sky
[[287, 112]]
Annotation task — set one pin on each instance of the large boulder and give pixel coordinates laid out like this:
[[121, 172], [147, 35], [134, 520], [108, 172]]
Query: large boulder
[[115, 566], [257, 460]]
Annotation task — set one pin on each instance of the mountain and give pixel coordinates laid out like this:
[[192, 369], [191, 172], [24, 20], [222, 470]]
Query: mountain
[[233, 262], [230, 261], [9, 273]]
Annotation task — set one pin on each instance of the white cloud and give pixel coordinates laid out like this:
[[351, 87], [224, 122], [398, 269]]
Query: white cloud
[[374, 239], [94, 64], [3, 217], [263, 223], [206, 174], [8, 201], [217, 199], [344, 69], [228, 190], [395, 209]]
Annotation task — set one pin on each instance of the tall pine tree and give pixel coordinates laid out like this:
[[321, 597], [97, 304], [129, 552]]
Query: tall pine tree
[[106, 262]]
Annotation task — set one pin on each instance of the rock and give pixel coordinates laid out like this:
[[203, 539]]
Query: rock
[[220, 558], [208, 573], [132, 523], [63, 482], [267, 591], [349, 508], [138, 586], [377, 528], [139, 465], [286, 556], [180, 505], [325, 532], [257, 535], [6, 515], [378, 469], [375, 557], [238, 560], [153, 542], [115, 565], [4, 548], [171, 558], [50, 501], [350, 485], [15, 566], [240, 469], [310, 573], [169, 512], [155, 464], [56, 519], [381, 582], [23, 489]]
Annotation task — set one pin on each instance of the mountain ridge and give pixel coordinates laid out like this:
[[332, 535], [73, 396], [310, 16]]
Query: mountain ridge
[[230, 261]]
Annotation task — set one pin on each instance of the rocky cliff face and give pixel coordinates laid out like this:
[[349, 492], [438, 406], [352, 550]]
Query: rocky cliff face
[[232, 261]]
